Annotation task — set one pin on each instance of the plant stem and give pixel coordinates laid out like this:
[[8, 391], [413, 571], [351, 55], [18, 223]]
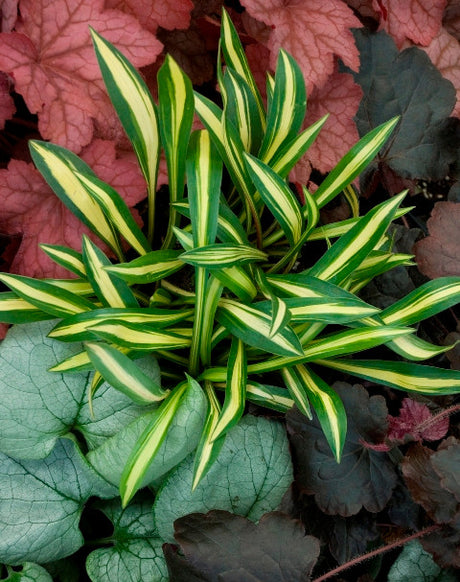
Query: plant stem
[[377, 552]]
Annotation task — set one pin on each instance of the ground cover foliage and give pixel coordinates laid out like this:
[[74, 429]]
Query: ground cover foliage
[[276, 477]]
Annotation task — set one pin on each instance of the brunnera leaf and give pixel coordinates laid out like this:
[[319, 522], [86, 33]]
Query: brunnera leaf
[[59, 79], [223, 546], [55, 403], [364, 478], [249, 477], [42, 502], [415, 565]]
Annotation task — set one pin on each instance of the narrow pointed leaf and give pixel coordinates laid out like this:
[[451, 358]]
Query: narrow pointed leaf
[[252, 326], [238, 281], [401, 375], [149, 444], [123, 374], [151, 267], [415, 349], [112, 291], [46, 296], [216, 256], [281, 315], [235, 390], [136, 110], [328, 407], [117, 211], [66, 257], [138, 336], [354, 162], [278, 198], [296, 389], [287, 107], [59, 167], [14, 309], [272, 397]]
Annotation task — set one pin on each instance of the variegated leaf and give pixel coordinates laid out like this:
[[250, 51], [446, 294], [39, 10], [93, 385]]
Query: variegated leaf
[[217, 256], [151, 267]]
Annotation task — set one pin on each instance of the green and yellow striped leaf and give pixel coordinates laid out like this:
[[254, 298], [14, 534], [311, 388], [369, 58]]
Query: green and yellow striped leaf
[[287, 107], [208, 449], [151, 267], [149, 443], [272, 397], [328, 407], [278, 197], [117, 211], [66, 257], [354, 162], [235, 58], [136, 110], [425, 301], [112, 291], [218, 255], [59, 167], [176, 107], [123, 374], [253, 326], [139, 336], [78, 362], [280, 313], [416, 349], [235, 390], [401, 375], [14, 309], [46, 296], [296, 389], [75, 327], [352, 248], [238, 281]]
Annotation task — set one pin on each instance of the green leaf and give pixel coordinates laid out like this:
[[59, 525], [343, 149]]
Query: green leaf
[[278, 197], [287, 107], [136, 110], [148, 445], [135, 552], [30, 573], [123, 374], [182, 438], [55, 403], [176, 106], [415, 565], [111, 291], [253, 326], [218, 255], [42, 502], [401, 375], [59, 167], [151, 267], [253, 471], [46, 296]]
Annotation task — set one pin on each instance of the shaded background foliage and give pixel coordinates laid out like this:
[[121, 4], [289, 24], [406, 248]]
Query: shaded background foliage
[[364, 61]]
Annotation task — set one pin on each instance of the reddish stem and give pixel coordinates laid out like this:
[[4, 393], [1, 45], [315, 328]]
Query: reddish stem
[[430, 421], [376, 552]]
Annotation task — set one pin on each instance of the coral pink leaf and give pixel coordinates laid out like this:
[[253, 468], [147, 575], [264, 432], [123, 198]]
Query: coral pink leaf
[[313, 32], [416, 421], [168, 14], [9, 14], [7, 107], [444, 52], [438, 254], [31, 211], [415, 20], [52, 62]]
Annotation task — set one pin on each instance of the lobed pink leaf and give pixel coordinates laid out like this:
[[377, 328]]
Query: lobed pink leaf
[[416, 20], [416, 421], [30, 209], [444, 52], [438, 254], [314, 33], [9, 14], [7, 108], [52, 61], [169, 14]]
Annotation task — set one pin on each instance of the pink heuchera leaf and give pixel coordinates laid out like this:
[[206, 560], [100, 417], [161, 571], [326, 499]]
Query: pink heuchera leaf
[[32, 211], [7, 107], [416, 421], [416, 20], [169, 14], [53, 64], [444, 52], [9, 14], [314, 33], [438, 254]]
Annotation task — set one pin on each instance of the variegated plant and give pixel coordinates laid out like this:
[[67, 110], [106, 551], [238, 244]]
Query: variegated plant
[[247, 324]]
